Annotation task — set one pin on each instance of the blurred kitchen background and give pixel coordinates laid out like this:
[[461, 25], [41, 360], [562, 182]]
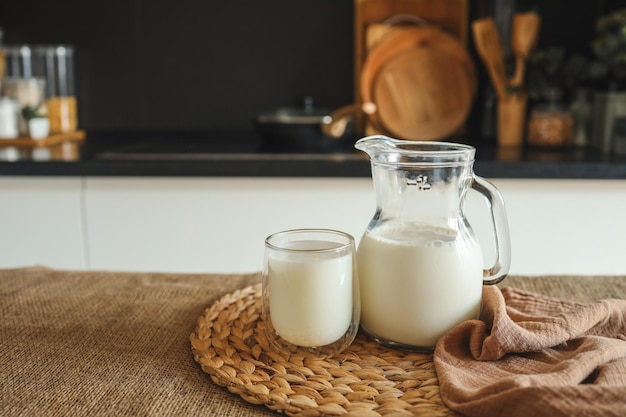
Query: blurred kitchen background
[[214, 66], [164, 169]]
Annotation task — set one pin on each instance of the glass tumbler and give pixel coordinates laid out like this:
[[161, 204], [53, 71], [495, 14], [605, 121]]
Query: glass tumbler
[[310, 291]]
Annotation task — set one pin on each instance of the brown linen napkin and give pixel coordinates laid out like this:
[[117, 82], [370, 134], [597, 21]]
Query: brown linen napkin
[[532, 355]]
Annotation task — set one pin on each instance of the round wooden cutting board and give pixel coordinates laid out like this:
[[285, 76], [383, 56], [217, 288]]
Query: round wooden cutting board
[[422, 82]]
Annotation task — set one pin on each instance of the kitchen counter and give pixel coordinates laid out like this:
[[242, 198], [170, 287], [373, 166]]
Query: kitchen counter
[[127, 204], [242, 154], [78, 343]]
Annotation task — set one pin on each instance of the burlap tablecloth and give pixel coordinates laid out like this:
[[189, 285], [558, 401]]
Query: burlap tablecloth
[[78, 343]]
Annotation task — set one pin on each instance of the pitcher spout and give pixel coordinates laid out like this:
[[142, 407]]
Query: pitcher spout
[[374, 145]]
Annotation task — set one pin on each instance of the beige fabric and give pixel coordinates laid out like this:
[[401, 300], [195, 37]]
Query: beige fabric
[[531, 355], [108, 344], [76, 343]]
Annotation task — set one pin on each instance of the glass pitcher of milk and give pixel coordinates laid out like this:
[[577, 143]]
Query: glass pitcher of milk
[[420, 266]]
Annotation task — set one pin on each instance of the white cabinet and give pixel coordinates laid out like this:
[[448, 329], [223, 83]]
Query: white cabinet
[[211, 224], [219, 224], [214, 224], [563, 226], [41, 222]]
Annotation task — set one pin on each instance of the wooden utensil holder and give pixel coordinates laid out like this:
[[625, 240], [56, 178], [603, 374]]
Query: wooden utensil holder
[[511, 120]]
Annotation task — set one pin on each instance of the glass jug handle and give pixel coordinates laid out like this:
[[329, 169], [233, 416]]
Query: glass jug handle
[[501, 265]]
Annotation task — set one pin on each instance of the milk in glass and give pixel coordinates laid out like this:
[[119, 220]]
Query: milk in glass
[[310, 297]]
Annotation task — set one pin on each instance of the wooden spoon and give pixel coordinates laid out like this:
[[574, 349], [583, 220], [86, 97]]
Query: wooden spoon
[[524, 37], [489, 48]]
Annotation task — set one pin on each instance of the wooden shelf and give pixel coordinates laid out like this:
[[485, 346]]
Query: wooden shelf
[[52, 140]]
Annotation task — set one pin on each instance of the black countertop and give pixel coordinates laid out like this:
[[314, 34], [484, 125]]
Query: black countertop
[[236, 154]]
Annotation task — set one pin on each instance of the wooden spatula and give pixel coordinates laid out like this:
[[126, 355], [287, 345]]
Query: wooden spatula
[[524, 37], [489, 47]]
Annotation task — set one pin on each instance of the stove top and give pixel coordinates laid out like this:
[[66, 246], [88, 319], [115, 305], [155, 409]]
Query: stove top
[[236, 149]]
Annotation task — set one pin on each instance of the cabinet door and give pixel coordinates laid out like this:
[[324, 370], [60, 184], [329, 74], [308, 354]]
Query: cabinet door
[[559, 227], [219, 224], [212, 224], [41, 222]]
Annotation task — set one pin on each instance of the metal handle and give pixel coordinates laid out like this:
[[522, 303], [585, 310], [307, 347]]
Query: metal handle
[[501, 265]]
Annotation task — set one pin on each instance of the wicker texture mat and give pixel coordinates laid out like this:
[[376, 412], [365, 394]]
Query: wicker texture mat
[[367, 379]]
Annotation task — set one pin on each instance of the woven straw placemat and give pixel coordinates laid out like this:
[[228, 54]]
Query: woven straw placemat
[[366, 380]]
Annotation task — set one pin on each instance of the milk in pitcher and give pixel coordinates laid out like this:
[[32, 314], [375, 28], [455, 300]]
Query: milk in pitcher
[[432, 282]]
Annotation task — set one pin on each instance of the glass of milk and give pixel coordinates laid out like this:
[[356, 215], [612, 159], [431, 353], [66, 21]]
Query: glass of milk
[[310, 291]]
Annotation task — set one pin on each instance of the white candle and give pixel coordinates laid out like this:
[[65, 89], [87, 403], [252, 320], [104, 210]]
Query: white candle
[[310, 293]]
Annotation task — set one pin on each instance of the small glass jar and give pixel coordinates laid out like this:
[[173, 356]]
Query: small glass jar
[[9, 116], [550, 124], [581, 113], [54, 64], [618, 138]]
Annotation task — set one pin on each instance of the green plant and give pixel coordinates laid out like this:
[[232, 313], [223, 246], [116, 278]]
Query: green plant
[[554, 68], [31, 112], [609, 48]]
